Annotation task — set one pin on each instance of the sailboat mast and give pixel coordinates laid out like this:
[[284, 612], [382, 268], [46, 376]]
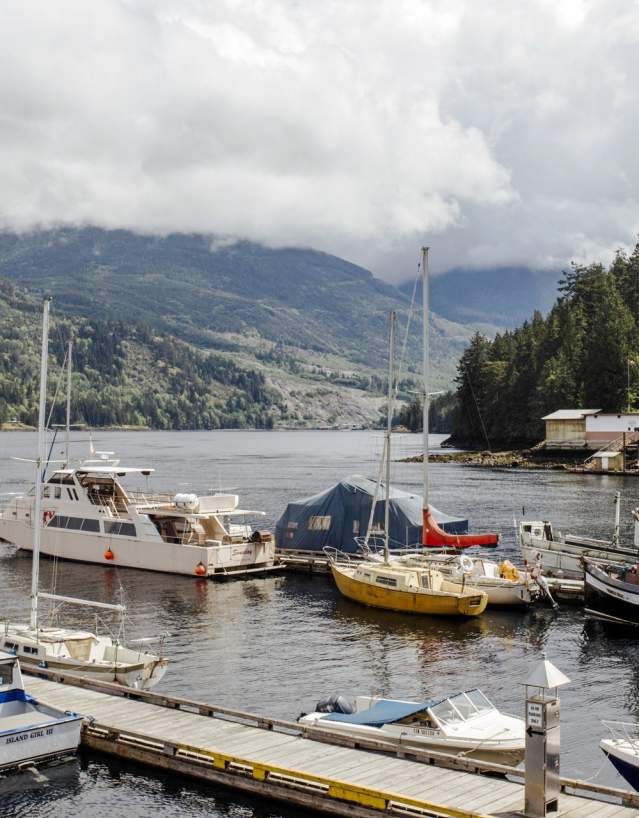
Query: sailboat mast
[[389, 429], [68, 429], [40, 458], [426, 374]]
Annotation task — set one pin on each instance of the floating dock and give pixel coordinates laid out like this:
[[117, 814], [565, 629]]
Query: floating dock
[[288, 762]]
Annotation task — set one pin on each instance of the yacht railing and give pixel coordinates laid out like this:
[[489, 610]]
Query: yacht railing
[[624, 731], [150, 499]]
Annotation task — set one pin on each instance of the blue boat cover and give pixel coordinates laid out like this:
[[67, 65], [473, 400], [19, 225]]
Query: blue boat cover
[[339, 515], [384, 711]]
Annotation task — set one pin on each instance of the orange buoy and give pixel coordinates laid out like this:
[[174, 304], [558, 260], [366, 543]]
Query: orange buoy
[[200, 569], [109, 555]]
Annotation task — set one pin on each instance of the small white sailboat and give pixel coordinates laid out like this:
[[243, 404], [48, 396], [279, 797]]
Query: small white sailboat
[[69, 649], [504, 583], [30, 732], [465, 723]]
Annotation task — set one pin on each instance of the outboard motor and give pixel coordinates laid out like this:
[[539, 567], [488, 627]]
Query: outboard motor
[[335, 704]]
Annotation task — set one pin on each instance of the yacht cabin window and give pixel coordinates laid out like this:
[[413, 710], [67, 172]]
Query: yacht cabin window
[[11, 646], [74, 523], [6, 675], [119, 528]]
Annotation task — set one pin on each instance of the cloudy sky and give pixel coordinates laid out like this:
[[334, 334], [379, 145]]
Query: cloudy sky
[[500, 132]]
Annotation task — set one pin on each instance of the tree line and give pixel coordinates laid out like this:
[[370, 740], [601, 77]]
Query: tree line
[[584, 354]]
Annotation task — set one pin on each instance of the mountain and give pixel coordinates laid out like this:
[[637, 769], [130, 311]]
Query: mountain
[[310, 309], [501, 297]]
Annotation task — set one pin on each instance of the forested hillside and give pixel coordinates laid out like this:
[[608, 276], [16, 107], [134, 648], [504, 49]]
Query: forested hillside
[[575, 357], [125, 374]]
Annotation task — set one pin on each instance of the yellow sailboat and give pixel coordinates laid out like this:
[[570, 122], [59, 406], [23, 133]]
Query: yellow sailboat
[[402, 588], [398, 586]]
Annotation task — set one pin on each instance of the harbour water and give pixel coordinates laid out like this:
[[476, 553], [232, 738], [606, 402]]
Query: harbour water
[[276, 645]]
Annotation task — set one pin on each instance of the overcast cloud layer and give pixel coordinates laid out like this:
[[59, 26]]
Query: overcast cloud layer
[[499, 132]]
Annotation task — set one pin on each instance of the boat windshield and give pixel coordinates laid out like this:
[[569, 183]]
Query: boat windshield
[[461, 707]]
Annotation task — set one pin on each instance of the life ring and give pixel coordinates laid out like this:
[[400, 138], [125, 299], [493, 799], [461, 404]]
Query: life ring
[[200, 569], [466, 564], [108, 554]]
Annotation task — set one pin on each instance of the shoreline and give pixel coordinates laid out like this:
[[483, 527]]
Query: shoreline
[[530, 459]]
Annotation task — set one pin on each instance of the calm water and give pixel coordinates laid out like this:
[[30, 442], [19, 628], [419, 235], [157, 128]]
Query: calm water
[[276, 645]]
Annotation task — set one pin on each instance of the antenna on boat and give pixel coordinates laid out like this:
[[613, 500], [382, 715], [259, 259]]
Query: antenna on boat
[[37, 508], [389, 430]]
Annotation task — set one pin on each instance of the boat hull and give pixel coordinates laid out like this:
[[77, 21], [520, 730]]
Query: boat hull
[[623, 759], [615, 600], [39, 742], [502, 595], [124, 552], [433, 604], [564, 558], [509, 753]]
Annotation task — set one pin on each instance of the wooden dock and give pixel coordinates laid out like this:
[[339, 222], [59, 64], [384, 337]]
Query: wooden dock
[[296, 764]]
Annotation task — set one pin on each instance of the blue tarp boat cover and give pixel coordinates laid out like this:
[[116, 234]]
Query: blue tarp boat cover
[[338, 516], [385, 711]]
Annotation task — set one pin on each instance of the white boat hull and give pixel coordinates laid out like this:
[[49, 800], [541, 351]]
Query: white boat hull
[[42, 740], [566, 559], [170, 558], [508, 751]]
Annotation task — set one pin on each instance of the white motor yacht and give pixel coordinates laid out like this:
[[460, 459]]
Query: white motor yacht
[[89, 516], [30, 732], [466, 723]]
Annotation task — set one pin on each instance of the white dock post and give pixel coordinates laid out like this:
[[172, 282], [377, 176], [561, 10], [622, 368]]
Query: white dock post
[[543, 783]]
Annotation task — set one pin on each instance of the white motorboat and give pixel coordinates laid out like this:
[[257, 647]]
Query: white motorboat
[[466, 723], [561, 555], [57, 647], [622, 748], [30, 732]]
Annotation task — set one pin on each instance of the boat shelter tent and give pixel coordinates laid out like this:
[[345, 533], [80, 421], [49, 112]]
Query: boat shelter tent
[[338, 517]]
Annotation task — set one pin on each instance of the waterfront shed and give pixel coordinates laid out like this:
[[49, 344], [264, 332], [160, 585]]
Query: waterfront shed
[[566, 428], [339, 516]]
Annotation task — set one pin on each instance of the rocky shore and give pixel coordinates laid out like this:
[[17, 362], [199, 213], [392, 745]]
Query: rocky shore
[[513, 459]]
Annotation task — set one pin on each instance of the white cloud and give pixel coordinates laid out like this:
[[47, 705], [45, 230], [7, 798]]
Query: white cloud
[[500, 132]]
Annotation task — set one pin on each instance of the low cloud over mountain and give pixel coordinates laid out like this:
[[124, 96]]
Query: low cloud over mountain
[[502, 133]]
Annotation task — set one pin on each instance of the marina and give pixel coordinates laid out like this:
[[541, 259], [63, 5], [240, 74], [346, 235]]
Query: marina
[[242, 631]]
